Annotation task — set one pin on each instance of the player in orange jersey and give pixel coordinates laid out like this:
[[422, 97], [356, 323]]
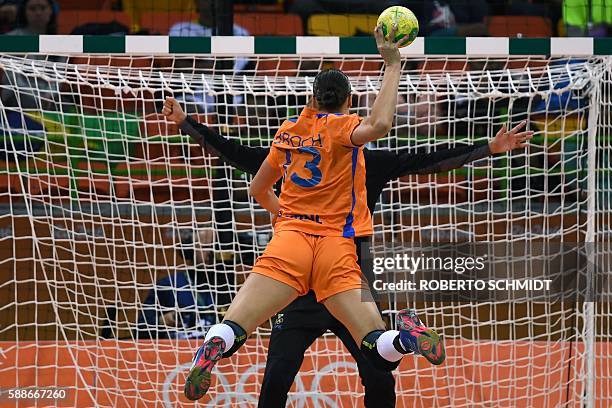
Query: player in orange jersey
[[321, 208]]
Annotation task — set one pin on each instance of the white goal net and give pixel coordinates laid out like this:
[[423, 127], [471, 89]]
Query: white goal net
[[121, 240]]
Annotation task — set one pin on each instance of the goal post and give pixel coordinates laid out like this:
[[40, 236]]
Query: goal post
[[122, 241]]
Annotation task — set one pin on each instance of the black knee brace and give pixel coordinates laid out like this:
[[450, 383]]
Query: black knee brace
[[240, 337], [368, 348]]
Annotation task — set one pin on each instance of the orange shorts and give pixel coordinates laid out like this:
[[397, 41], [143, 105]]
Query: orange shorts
[[327, 265]]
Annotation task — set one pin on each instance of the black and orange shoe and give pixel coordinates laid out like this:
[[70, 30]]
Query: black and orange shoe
[[419, 339], [200, 375]]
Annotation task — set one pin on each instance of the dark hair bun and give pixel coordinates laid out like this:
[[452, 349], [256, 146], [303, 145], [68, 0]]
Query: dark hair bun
[[331, 88], [329, 98]]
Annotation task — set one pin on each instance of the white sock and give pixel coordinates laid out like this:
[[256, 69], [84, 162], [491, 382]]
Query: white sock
[[385, 347], [224, 331]]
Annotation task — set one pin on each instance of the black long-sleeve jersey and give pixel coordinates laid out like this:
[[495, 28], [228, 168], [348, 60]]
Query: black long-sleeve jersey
[[381, 167]]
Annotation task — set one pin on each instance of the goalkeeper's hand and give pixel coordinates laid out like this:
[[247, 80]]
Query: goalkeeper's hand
[[506, 141], [172, 111]]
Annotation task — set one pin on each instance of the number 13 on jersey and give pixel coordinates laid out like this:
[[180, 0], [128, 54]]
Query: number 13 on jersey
[[311, 165]]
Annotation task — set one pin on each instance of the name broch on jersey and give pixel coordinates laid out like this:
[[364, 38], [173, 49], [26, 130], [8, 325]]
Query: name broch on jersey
[[298, 141]]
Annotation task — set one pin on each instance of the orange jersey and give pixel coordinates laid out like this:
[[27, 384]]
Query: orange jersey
[[323, 190]]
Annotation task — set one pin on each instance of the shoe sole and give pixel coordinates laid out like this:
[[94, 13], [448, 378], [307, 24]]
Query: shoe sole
[[200, 376], [428, 342]]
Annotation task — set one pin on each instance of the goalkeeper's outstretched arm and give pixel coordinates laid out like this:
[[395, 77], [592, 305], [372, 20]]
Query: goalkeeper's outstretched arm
[[243, 158], [382, 166], [454, 158]]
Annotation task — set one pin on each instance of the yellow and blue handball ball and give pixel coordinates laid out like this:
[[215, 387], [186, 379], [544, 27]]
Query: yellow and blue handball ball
[[407, 24]]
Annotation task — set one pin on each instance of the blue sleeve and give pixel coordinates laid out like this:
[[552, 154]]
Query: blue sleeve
[[207, 311], [149, 320]]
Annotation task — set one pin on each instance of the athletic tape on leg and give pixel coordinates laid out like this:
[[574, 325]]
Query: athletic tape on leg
[[224, 331], [386, 348]]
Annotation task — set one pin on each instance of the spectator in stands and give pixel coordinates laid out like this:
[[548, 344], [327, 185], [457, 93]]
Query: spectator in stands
[[180, 305], [205, 28], [8, 15], [36, 17], [463, 18], [587, 17], [201, 101]]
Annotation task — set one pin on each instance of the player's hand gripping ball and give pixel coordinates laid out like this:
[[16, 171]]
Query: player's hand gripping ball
[[407, 24]]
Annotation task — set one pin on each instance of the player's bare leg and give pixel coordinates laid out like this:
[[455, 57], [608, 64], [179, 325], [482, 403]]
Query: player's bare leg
[[384, 348], [359, 316], [258, 299]]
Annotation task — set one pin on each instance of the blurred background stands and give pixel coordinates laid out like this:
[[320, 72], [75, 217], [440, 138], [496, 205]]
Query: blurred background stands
[[531, 18]]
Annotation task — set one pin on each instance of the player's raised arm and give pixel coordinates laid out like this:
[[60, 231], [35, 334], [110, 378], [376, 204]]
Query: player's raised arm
[[244, 158], [380, 120]]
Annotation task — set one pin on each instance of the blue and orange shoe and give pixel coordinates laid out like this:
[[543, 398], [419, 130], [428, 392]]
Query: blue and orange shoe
[[200, 375], [419, 339]]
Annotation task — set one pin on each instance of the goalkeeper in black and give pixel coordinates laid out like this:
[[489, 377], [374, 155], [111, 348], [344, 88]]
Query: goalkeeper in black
[[297, 326]]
